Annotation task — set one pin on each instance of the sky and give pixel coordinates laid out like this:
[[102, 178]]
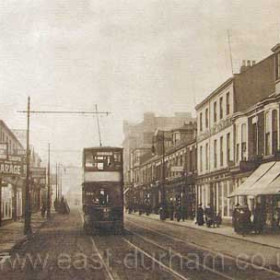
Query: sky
[[126, 56]]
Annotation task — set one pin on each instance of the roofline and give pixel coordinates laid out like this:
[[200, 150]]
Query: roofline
[[12, 134], [217, 90]]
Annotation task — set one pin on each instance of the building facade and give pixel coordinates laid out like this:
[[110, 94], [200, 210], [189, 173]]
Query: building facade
[[139, 137], [166, 173], [223, 138]]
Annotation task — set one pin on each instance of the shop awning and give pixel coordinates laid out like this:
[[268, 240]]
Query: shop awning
[[259, 180]]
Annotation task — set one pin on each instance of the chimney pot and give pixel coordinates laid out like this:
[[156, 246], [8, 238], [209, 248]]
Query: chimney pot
[[248, 63], [253, 62]]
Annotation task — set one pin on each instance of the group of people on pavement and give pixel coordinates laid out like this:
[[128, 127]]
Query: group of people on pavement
[[242, 219], [208, 216]]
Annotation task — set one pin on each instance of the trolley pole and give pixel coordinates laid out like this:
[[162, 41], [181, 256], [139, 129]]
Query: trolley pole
[[49, 186], [27, 213]]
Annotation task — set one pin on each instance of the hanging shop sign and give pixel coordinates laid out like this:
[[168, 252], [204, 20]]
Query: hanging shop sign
[[38, 172]]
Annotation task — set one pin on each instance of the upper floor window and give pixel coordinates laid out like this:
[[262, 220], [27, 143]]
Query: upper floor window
[[267, 134], [200, 121], [215, 153], [243, 141], [228, 147], [221, 151], [215, 111], [201, 159], [274, 131], [206, 118], [221, 108], [227, 104], [206, 156]]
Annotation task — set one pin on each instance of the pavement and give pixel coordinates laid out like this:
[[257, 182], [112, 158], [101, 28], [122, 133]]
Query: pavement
[[266, 239], [11, 234]]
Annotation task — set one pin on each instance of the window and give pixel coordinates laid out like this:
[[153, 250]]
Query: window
[[191, 161], [227, 104], [206, 118], [237, 152], [206, 156], [221, 108], [228, 147], [221, 151], [274, 131], [215, 111], [267, 134], [201, 159], [254, 139], [200, 121], [243, 141], [215, 153]]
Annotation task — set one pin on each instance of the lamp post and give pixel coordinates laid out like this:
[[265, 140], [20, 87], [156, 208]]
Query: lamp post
[[163, 211], [27, 212], [49, 186]]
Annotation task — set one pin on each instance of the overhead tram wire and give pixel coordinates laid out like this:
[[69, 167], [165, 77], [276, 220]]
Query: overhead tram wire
[[68, 112]]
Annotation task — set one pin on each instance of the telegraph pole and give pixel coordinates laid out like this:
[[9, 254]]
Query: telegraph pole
[[49, 186], [27, 213], [98, 126], [163, 197], [56, 186]]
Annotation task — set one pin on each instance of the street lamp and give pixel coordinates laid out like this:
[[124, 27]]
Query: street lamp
[[163, 210]]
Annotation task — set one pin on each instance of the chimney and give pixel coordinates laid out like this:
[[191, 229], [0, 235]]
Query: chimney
[[248, 63], [253, 62], [243, 67]]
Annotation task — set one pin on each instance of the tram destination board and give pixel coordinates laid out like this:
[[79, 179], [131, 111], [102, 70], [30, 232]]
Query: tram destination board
[[10, 168]]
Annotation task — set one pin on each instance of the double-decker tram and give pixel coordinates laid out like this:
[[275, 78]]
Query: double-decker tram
[[103, 189]]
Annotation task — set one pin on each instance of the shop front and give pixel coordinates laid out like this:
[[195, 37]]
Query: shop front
[[262, 188]]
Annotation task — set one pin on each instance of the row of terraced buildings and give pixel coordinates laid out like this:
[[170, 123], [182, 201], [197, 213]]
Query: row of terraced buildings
[[228, 154]]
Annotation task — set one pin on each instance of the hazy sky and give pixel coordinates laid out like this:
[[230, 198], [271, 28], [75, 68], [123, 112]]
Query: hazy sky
[[127, 56]]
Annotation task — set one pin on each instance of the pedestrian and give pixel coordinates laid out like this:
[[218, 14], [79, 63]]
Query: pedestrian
[[245, 220], [171, 210], [178, 212], [259, 219], [209, 215], [43, 210], [235, 215], [199, 215]]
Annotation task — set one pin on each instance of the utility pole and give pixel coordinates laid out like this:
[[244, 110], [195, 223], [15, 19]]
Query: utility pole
[[56, 186], [49, 186], [98, 125], [163, 198], [27, 213]]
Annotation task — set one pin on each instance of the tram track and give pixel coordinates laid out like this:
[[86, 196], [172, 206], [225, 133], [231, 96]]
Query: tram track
[[120, 271], [157, 238]]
